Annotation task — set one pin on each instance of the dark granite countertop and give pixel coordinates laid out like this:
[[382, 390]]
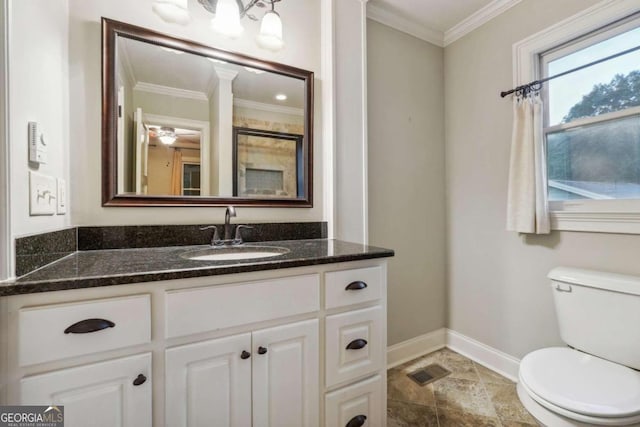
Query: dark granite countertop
[[88, 269]]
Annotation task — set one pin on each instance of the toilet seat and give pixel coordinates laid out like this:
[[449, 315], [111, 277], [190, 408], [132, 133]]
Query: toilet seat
[[581, 386]]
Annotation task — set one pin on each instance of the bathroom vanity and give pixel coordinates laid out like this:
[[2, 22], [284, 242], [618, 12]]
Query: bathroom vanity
[[143, 337]]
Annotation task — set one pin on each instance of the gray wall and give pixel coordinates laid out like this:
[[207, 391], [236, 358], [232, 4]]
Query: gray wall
[[498, 291], [406, 176]]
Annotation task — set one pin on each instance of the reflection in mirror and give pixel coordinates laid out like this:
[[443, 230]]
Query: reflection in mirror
[[197, 122], [267, 164]]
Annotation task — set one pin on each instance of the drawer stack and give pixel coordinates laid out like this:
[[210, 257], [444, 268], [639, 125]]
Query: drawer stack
[[355, 347]]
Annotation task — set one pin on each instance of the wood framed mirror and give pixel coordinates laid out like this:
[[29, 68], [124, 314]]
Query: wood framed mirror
[[181, 121]]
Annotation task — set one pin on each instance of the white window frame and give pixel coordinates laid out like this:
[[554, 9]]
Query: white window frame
[[607, 216]]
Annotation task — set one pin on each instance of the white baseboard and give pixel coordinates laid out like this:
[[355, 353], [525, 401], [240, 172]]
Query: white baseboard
[[405, 351], [489, 357]]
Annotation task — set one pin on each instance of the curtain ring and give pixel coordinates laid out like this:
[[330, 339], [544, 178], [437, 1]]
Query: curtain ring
[[536, 87]]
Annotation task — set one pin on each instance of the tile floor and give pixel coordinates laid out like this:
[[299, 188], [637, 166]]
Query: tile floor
[[471, 395]]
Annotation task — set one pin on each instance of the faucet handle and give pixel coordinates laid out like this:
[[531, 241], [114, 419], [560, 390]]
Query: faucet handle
[[215, 240], [238, 239]]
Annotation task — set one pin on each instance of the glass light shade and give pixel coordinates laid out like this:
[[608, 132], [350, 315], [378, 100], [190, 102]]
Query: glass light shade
[[173, 11], [227, 19], [270, 36], [167, 135], [167, 139]]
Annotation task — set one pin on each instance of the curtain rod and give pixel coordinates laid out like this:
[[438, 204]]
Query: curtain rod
[[537, 84]]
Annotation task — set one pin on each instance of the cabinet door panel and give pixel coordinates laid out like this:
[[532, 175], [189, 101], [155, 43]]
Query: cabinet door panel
[[209, 384], [97, 395], [285, 377]]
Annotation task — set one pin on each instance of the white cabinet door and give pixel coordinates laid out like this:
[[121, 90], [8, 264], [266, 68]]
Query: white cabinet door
[[285, 376], [209, 383], [97, 395]]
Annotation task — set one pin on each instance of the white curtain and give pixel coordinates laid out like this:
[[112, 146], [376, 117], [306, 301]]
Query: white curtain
[[527, 206]]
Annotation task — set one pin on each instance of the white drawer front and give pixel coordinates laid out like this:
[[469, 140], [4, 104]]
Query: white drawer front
[[362, 401], [44, 335], [208, 309], [365, 284], [361, 328]]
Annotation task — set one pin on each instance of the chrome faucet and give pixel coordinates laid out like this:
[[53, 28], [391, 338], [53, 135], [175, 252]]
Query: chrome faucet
[[229, 213], [215, 239], [228, 227], [238, 239]]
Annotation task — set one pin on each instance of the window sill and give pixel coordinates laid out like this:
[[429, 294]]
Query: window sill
[[596, 222]]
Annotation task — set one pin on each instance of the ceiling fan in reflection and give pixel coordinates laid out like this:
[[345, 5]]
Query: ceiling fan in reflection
[[169, 135]]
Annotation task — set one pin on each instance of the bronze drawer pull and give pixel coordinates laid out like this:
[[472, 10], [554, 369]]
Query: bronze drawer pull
[[357, 344], [356, 286], [89, 325]]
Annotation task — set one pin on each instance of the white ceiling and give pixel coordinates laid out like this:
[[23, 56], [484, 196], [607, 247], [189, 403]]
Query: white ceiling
[[437, 21]]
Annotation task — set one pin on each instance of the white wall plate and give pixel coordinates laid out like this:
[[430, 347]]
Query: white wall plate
[[42, 194], [62, 196]]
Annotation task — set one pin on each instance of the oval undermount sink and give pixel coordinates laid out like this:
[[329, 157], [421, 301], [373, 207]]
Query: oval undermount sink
[[234, 253]]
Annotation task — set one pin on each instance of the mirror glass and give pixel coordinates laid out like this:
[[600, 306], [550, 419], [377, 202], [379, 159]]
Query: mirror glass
[[192, 122]]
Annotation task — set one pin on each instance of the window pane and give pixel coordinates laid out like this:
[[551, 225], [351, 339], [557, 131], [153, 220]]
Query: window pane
[[263, 181], [599, 161], [190, 179], [610, 86]]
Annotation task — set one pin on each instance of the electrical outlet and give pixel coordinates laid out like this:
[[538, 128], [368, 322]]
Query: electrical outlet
[[62, 196], [42, 194]]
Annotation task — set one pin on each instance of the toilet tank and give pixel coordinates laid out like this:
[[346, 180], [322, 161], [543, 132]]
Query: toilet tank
[[599, 313]]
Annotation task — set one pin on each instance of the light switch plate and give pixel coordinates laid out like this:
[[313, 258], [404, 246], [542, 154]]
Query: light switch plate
[[42, 194], [38, 151], [62, 196]]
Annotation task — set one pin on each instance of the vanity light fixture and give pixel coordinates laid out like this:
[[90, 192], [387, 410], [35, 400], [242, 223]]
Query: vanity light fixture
[[167, 135], [270, 36], [227, 19], [281, 97], [227, 16]]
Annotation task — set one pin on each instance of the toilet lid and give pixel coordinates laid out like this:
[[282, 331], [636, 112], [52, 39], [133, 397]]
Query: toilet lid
[[581, 383]]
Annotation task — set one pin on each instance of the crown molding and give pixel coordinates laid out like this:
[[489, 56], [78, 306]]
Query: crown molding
[[477, 19], [431, 35], [170, 91], [245, 103], [383, 16]]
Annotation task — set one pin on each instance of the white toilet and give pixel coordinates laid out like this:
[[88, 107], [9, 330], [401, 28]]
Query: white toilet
[[596, 380]]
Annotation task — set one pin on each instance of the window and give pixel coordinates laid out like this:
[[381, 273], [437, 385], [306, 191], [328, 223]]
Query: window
[[190, 179], [592, 116]]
